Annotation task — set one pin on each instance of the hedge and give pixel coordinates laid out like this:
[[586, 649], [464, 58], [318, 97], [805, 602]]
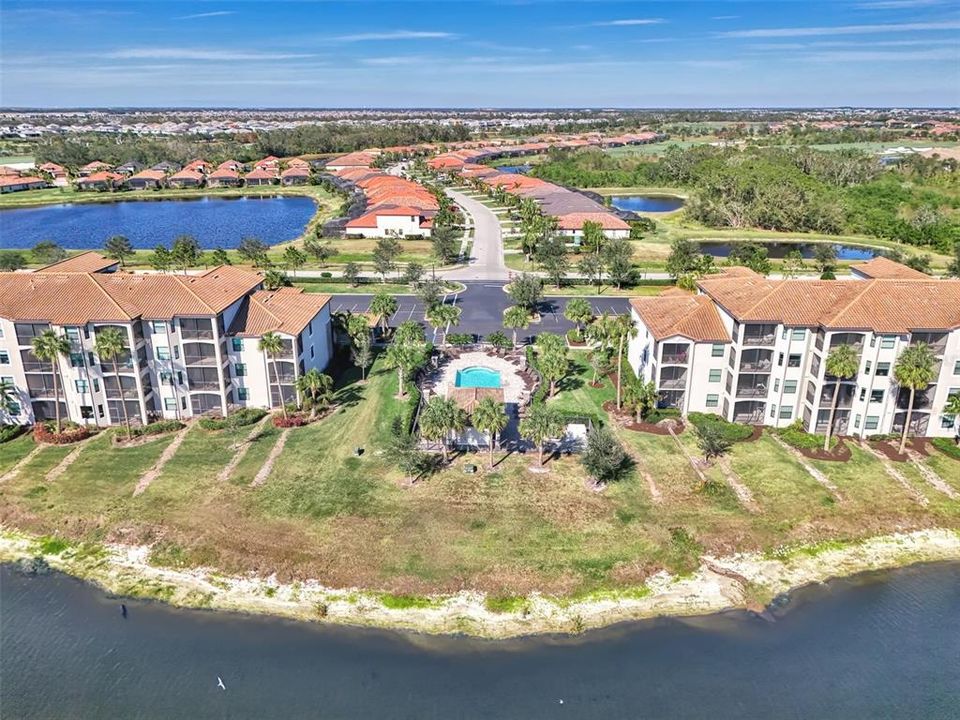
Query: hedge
[[242, 417], [9, 432], [655, 416], [947, 447], [290, 421], [795, 435], [155, 428], [729, 431], [540, 394]]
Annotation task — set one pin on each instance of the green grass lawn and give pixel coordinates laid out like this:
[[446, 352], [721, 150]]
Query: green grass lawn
[[13, 451], [342, 288]]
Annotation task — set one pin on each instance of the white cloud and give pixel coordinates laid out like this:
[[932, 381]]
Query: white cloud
[[725, 17], [173, 53], [196, 16], [629, 22], [842, 30], [395, 35], [897, 4], [840, 56]]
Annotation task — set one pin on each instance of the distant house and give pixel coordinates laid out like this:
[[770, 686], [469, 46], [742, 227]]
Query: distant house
[[99, 181], [131, 167], [200, 166], [230, 165], [11, 183], [93, 167], [223, 177], [146, 180], [57, 173], [166, 167], [268, 163], [295, 176], [298, 162], [186, 178], [260, 176]]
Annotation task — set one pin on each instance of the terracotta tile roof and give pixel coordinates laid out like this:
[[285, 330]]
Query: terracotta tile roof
[[85, 262], [93, 166], [297, 162], [884, 268], [575, 221], [296, 171], [287, 310], [261, 173], [198, 165], [690, 316], [15, 180], [7, 171], [100, 177], [156, 175], [187, 174], [468, 398], [224, 172], [883, 306]]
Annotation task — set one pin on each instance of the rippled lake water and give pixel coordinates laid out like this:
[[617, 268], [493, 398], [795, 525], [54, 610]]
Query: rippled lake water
[[876, 646], [212, 221]]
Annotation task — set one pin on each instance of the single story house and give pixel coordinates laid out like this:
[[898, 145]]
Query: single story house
[[260, 176], [93, 167], [131, 167], [186, 179], [295, 176], [58, 174], [10, 183], [146, 180], [99, 181], [223, 177]]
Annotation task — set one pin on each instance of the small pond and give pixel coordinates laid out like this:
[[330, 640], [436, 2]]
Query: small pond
[[647, 203], [779, 250], [214, 222], [516, 169]]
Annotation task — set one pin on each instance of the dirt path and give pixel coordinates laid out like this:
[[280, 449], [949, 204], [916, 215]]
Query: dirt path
[[267, 466], [688, 456], [811, 470], [150, 475], [15, 470], [895, 474], [68, 460], [655, 495], [930, 475], [743, 493], [242, 449]]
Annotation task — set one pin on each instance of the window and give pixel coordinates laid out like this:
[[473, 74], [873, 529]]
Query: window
[[239, 369], [883, 369], [888, 342], [86, 412], [799, 334], [179, 377], [90, 359], [163, 352], [946, 422], [856, 421], [76, 359], [159, 327], [873, 422], [99, 410], [866, 368], [1, 332], [243, 394], [786, 413], [873, 341], [956, 367], [176, 352], [780, 360], [776, 386], [785, 331], [80, 385], [310, 328], [169, 403], [773, 411], [876, 396], [717, 350], [237, 344], [794, 361], [715, 375], [96, 385], [4, 357], [863, 393], [73, 334], [311, 352], [789, 387], [183, 403], [13, 408], [7, 379]]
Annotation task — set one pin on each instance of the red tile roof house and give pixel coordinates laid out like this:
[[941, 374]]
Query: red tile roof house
[[147, 180], [234, 165], [571, 225], [261, 176], [93, 167], [298, 162], [200, 166], [10, 184], [186, 179], [223, 176], [99, 181], [268, 163], [58, 174], [296, 175], [392, 221]]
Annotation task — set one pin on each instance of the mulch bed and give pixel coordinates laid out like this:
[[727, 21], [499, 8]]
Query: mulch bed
[[840, 453], [890, 448], [757, 433], [628, 422]]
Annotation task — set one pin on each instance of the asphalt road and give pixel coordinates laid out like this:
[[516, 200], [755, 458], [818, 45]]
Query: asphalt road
[[486, 261], [482, 306]]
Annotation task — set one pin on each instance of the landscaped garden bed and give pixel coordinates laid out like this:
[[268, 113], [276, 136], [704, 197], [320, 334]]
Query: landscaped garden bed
[[240, 418], [658, 422], [46, 432], [811, 445], [140, 434], [890, 446], [731, 431]]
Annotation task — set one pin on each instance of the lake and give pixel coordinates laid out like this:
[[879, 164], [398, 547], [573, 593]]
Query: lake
[[222, 222], [779, 250], [875, 646], [647, 203]]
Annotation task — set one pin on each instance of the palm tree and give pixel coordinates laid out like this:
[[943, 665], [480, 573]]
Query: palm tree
[[8, 393], [953, 408], [642, 396], [843, 363], [540, 425], [49, 346], [439, 418], [914, 370], [384, 306], [272, 344], [405, 357], [515, 318], [316, 386], [579, 312], [622, 329], [489, 416], [110, 344], [443, 316]]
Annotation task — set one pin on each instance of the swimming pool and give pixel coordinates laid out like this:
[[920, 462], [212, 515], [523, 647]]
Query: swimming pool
[[478, 377]]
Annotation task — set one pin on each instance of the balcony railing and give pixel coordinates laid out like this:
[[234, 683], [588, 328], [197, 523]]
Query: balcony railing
[[197, 360], [756, 365], [204, 385], [675, 358], [759, 339], [752, 391], [674, 383], [196, 334], [36, 366]]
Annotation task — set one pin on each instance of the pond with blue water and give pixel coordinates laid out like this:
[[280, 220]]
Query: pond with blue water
[[779, 250], [647, 203], [478, 377], [213, 221]]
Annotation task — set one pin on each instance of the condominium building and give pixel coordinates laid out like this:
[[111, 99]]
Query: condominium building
[[191, 342], [754, 350]]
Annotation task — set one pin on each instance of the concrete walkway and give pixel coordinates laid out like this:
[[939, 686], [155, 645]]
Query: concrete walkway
[[486, 256]]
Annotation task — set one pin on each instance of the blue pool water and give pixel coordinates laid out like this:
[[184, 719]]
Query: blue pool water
[[478, 377], [222, 222], [647, 203]]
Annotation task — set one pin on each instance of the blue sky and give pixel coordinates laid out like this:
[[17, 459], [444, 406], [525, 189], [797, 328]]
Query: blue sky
[[481, 53]]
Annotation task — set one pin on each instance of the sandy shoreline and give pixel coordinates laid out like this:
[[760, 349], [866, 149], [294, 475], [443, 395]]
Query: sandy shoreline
[[746, 580]]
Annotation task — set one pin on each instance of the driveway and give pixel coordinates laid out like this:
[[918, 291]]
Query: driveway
[[486, 257]]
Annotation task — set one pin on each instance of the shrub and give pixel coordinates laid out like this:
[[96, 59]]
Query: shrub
[[947, 447], [655, 416], [291, 421], [729, 431], [459, 339], [9, 432], [155, 428], [240, 418], [46, 432], [795, 435]]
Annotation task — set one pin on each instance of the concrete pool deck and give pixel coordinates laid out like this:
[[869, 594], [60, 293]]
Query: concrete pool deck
[[511, 382]]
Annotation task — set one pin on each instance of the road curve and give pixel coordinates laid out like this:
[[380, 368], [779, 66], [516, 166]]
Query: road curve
[[486, 257]]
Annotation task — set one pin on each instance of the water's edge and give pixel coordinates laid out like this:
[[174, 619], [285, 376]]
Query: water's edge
[[742, 581]]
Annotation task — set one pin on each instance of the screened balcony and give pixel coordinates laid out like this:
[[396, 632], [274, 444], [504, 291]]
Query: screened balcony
[[675, 354], [753, 385], [854, 340], [198, 353], [196, 329], [757, 334], [756, 361], [847, 392], [673, 378], [749, 412]]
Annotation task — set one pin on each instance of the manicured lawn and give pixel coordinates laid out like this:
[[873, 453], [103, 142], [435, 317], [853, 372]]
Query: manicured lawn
[[13, 451], [342, 288]]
